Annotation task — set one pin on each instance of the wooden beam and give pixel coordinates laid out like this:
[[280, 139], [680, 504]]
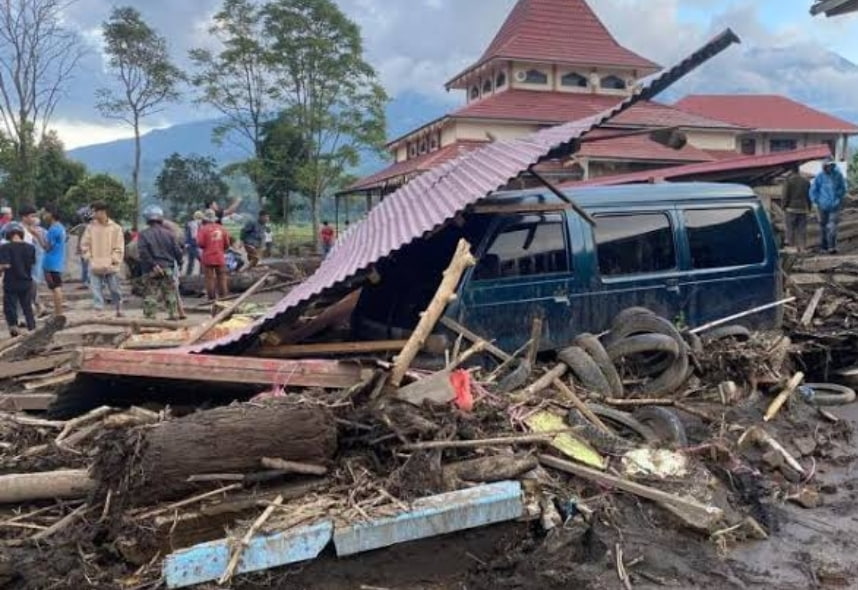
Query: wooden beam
[[26, 402], [225, 313], [41, 364], [458, 328], [221, 369], [434, 345]]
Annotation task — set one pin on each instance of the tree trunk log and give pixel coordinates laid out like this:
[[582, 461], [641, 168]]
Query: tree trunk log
[[65, 484], [153, 463], [462, 259]]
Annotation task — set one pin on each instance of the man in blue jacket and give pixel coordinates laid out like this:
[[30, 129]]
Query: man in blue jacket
[[827, 193]]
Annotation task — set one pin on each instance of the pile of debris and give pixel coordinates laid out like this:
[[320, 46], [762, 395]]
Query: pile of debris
[[711, 429]]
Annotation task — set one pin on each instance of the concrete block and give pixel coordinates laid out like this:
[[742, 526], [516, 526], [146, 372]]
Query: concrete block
[[433, 516], [207, 561]]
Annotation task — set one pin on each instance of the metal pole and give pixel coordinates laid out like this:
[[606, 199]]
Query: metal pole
[[738, 316]]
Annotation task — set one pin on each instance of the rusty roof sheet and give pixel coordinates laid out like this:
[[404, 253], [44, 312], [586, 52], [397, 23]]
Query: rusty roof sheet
[[435, 197]]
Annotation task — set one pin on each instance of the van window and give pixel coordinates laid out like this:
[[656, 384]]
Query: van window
[[634, 244], [523, 246], [721, 238]]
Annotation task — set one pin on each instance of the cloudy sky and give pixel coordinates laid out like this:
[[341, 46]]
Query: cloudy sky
[[416, 45]]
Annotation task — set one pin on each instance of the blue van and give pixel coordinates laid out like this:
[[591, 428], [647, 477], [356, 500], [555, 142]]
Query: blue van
[[691, 252]]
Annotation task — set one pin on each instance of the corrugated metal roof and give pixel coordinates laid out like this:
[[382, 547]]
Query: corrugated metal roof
[[702, 171], [438, 195]]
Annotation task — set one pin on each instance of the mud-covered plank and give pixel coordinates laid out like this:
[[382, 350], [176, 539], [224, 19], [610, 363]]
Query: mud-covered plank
[[223, 369]]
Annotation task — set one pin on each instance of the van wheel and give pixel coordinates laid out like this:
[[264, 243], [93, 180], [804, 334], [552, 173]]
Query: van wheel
[[597, 352], [740, 333], [585, 369]]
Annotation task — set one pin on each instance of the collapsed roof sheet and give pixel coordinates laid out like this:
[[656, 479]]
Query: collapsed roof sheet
[[435, 197]]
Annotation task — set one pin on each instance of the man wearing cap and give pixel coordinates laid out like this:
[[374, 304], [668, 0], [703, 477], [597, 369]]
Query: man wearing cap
[[159, 253], [213, 240], [827, 193]]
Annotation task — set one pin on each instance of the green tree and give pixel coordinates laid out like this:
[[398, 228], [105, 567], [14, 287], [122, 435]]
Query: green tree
[[187, 183], [100, 187], [330, 93], [239, 81], [55, 172], [141, 63]]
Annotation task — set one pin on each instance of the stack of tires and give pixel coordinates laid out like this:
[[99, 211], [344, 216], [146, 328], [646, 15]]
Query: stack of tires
[[645, 347]]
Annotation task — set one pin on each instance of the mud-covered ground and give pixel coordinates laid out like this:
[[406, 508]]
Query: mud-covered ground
[[808, 549]]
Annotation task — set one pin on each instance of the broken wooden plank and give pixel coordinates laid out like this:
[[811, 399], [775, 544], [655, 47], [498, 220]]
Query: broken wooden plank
[[461, 261], [458, 328], [18, 488], [40, 364], [699, 515], [807, 317], [436, 515], [434, 345], [331, 316], [50, 381], [221, 369], [224, 314], [26, 402], [208, 561]]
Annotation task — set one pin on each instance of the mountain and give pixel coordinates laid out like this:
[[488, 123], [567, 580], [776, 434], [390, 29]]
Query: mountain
[[404, 112]]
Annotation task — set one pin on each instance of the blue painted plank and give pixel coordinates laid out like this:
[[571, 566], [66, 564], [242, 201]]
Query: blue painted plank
[[207, 561], [435, 515]]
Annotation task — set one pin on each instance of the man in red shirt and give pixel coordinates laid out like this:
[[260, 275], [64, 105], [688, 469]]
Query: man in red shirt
[[213, 240], [327, 236]]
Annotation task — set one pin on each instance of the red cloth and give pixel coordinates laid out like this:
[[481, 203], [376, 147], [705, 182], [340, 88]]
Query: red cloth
[[461, 382], [213, 239], [327, 235]]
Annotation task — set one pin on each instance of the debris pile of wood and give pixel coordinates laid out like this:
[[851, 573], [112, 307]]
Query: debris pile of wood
[[706, 428]]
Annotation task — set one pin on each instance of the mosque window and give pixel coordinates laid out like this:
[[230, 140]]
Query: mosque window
[[487, 87], [535, 77], [573, 80], [475, 92], [500, 80], [613, 83]]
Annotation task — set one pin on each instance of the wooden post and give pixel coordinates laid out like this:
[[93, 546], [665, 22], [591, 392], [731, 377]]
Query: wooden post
[[782, 397], [226, 312], [18, 488], [462, 259]]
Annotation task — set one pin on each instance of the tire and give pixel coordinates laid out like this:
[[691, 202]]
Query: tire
[[664, 422], [670, 379], [515, 378], [642, 343], [597, 352], [629, 312], [642, 323], [585, 369], [740, 333], [625, 419], [830, 394]]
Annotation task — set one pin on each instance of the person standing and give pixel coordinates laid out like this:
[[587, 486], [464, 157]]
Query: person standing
[[253, 237], [34, 234], [17, 259], [54, 262], [797, 205], [327, 236], [192, 228], [269, 240], [827, 193], [213, 240], [103, 248], [159, 254]]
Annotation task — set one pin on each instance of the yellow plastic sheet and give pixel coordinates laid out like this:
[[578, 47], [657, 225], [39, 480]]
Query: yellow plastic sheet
[[568, 444]]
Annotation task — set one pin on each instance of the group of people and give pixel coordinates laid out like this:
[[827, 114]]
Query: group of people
[[826, 192], [32, 252]]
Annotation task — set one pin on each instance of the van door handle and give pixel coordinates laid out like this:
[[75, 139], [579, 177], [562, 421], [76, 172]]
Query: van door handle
[[564, 299]]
